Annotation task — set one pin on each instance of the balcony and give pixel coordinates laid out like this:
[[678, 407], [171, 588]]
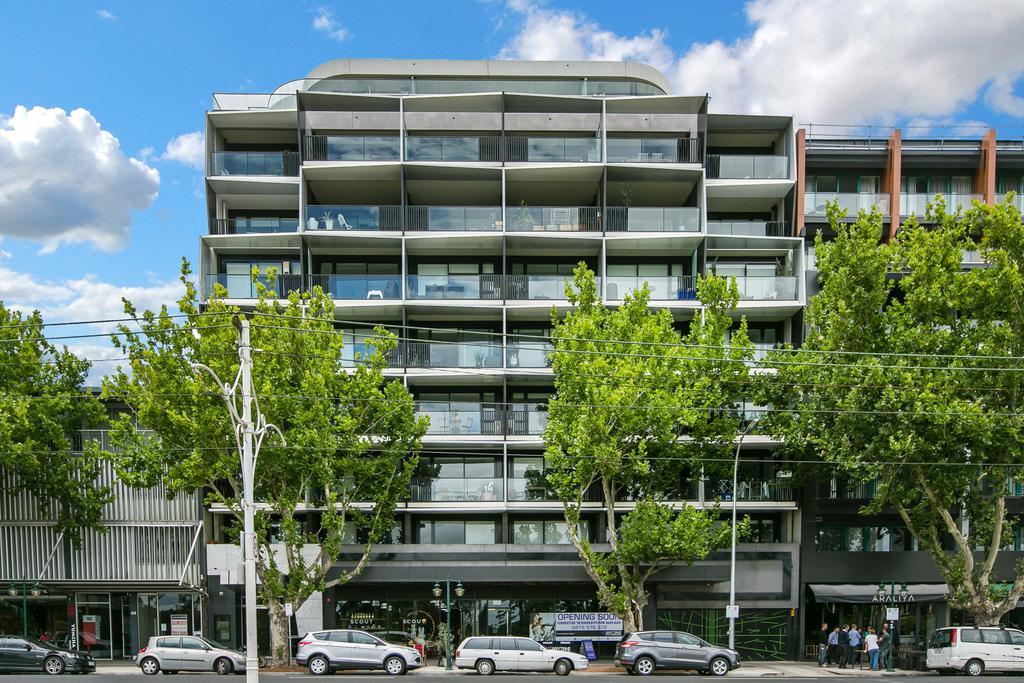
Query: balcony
[[486, 287], [351, 148], [359, 287], [254, 163], [525, 419], [554, 218], [534, 488], [463, 418], [254, 226], [353, 217], [653, 151], [750, 228], [1018, 200], [653, 219], [917, 204], [469, 490], [242, 286], [663, 288], [767, 288], [835, 489], [528, 354], [482, 148], [537, 287], [851, 202], [553, 149], [748, 166], [453, 218], [750, 490], [426, 354]]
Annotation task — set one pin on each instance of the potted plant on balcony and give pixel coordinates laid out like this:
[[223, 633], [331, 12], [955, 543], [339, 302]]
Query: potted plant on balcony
[[479, 356], [523, 219], [328, 220]]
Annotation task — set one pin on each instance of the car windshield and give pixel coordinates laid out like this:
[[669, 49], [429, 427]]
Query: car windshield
[[40, 643]]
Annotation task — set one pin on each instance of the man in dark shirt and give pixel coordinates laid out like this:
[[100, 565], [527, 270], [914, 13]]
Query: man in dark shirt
[[822, 644], [843, 652]]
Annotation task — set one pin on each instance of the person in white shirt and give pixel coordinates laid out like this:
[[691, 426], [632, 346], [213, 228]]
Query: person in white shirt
[[871, 645]]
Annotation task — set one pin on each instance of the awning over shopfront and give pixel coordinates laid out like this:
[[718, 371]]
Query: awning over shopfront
[[868, 592]]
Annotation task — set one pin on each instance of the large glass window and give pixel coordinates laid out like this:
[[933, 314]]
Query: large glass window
[[457, 532], [94, 624], [545, 531]]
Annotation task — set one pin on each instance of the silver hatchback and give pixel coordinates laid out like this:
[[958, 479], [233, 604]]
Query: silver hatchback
[[187, 653], [643, 652], [324, 652]]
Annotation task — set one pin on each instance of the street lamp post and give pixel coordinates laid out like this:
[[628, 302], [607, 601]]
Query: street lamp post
[[733, 609], [459, 592], [13, 591], [889, 598]]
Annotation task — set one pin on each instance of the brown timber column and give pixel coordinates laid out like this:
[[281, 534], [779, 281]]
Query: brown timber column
[[985, 176], [891, 179], [801, 181]]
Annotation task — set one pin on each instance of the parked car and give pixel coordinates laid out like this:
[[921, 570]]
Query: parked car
[[324, 652], [188, 653], [406, 638], [29, 654], [488, 655], [975, 650], [643, 652]]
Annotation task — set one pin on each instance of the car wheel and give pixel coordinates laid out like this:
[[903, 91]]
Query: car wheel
[[318, 665], [644, 666], [975, 667], [563, 667], [53, 665], [223, 666], [394, 665], [719, 666], [485, 667], [150, 666]]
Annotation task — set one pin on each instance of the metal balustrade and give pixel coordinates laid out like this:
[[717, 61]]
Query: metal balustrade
[[351, 148], [453, 218], [652, 219], [553, 218], [653, 150], [748, 166]]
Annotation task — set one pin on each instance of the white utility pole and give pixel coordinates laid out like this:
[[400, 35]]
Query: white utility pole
[[249, 434], [732, 610]]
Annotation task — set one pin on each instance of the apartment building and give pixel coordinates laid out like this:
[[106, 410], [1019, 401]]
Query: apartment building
[[450, 201]]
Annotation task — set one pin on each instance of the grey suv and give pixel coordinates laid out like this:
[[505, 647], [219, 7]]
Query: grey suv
[[324, 652], [187, 653], [643, 652]]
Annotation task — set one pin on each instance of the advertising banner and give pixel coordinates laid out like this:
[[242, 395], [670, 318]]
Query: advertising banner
[[179, 624], [542, 626], [599, 626]]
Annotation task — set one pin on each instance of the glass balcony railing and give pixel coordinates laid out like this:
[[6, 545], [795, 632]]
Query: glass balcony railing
[[470, 490], [767, 288], [354, 287], [254, 163], [553, 218], [1018, 200], [353, 217], [653, 150], [249, 226], [851, 202], [526, 419], [464, 418], [537, 287], [750, 228], [426, 354], [351, 148], [242, 286], [481, 148], [528, 354], [663, 288], [534, 487], [754, 166], [553, 149], [453, 218], [653, 219], [454, 287], [754, 490], [917, 204]]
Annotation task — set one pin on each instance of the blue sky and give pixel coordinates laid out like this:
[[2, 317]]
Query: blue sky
[[144, 71]]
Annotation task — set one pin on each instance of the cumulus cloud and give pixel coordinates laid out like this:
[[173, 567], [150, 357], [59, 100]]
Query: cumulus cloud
[[874, 61], [187, 148], [325, 22], [106, 15], [63, 179]]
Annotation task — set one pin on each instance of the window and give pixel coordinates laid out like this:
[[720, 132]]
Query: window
[[478, 644], [339, 636], [322, 635], [545, 532], [169, 642], [505, 643], [362, 638], [687, 639], [1016, 637], [993, 636], [192, 644], [527, 645], [457, 532], [663, 637], [970, 635], [941, 639]]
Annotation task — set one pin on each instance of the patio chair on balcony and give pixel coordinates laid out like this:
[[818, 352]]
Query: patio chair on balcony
[[562, 219]]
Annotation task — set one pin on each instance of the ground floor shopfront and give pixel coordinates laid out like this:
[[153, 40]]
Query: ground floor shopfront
[[106, 623]]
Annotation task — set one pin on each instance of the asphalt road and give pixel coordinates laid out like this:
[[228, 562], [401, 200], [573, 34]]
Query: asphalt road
[[499, 678]]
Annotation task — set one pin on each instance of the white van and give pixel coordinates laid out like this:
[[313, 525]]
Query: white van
[[975, 650]]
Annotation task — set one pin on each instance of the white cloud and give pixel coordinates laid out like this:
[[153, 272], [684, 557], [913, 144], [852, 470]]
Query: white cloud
[[106, 15], [63, 179], [5, 255], [325, 22], [187, 148], [831, 61]]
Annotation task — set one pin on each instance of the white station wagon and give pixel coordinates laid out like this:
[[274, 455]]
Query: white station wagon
[[488, 654], [975, 650]]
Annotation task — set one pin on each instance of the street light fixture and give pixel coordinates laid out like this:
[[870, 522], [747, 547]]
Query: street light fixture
[[732, 611], [459, 592], [887, 598]]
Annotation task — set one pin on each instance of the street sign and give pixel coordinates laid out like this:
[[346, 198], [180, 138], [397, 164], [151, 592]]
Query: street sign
[[732, 611], [287, 609], [892, 613]]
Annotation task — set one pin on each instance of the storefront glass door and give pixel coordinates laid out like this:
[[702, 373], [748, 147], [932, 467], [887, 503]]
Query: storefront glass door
[[94, 625]]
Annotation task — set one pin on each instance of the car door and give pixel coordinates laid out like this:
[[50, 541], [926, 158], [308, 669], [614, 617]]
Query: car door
[[531, 656], [691, 651], [367, 651], [505, 654], [997, 644], [665, 649], [339, 649], [193, 655], [18, 655], [1016, 649]]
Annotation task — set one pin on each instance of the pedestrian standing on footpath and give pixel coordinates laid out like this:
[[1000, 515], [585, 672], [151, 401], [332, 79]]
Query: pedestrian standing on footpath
[[885, 647], [822, 644], [843, 651], [855, 642], [833, 645], [871, 645]]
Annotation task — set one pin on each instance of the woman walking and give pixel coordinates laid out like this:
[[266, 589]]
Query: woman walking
[[871, 645]]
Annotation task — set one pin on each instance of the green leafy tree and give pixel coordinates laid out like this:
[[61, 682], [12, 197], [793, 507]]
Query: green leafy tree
[[43, 405], [635, 411], [351, 435], [936, 426]]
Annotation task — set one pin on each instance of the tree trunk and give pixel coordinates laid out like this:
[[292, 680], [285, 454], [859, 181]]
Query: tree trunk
[[278, 630]]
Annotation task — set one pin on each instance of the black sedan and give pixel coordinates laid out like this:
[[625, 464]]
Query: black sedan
[[28, 654]]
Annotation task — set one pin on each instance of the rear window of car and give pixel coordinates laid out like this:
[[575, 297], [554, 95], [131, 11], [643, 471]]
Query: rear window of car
[[338, 636], [643, 635], [169, 642], [970, 635], [993, 637], [663, 637], [321, 635], [478, 644], [942, 639]]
